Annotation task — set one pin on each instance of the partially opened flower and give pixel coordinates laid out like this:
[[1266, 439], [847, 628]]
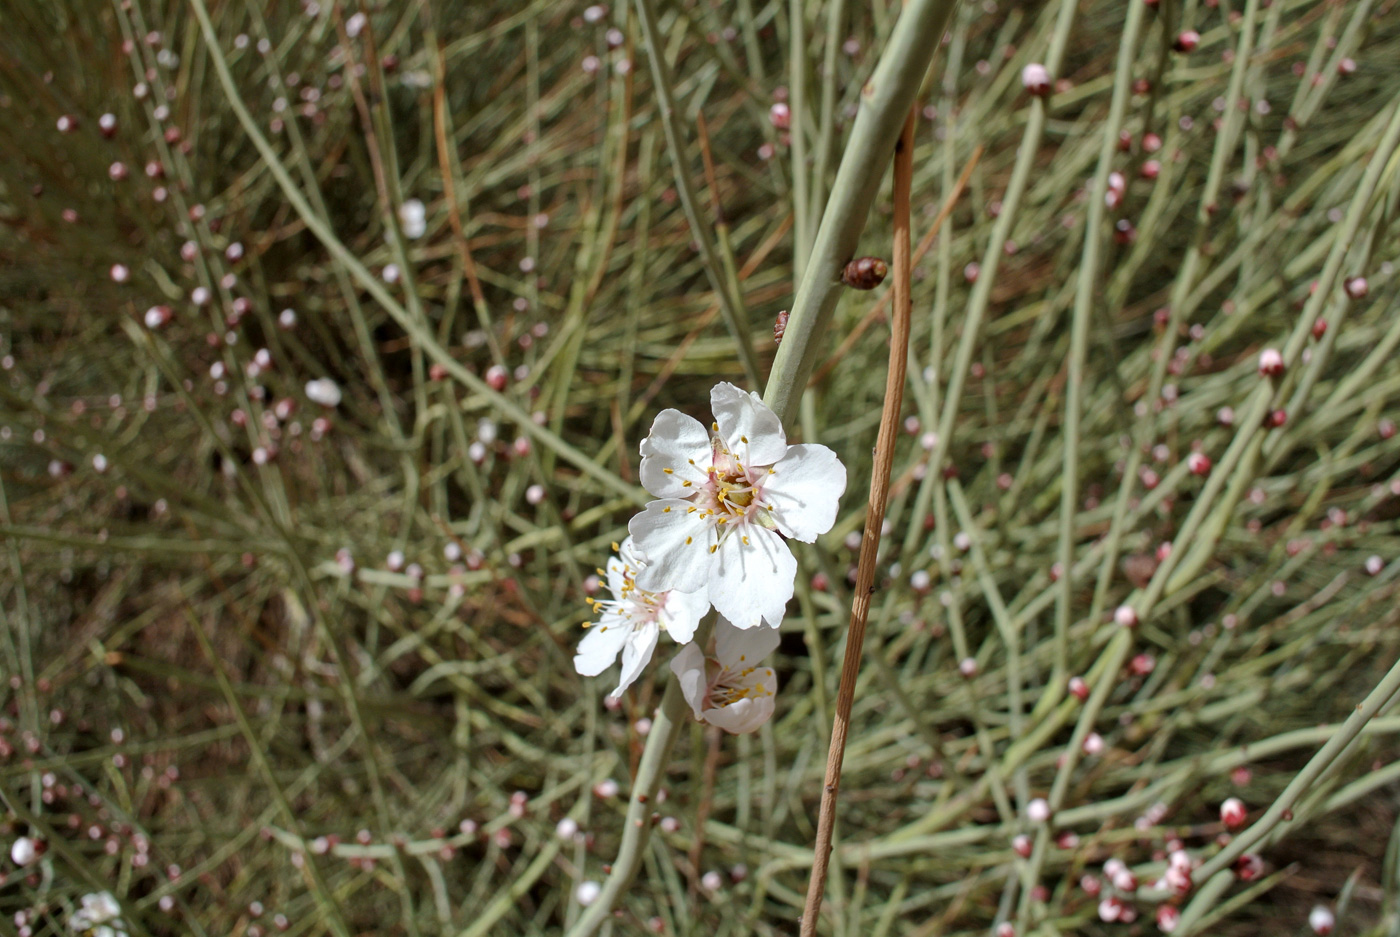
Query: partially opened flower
[[98, 916], [729, 494], [632, 620], [730, 690]]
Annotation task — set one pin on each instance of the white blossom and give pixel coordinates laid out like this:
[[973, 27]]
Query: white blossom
[[24, 851], [728, 496], [730, 690], [414, 219], [631, 622], [324, 391], [98, 916]]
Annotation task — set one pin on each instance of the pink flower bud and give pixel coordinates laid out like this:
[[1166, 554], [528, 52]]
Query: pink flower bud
[[1187, 40], [1357, 287], [1038, 810], [1321, 920], [1078, 688], [1198, 463], [1270, 362], [1036, 79], [1125, 616], [780, 116], [1022, 845], [1167, 918], [1249, 866], [1232, 813]]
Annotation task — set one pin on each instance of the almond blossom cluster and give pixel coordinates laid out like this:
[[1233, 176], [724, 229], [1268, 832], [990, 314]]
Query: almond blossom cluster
[[728, 498]]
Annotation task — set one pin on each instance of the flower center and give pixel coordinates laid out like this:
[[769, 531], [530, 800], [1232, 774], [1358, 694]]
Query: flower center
[[633, 605], [728, 687], [730, 482]]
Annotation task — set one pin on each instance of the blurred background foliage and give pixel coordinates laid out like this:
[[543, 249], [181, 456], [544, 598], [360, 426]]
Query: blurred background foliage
[[275, 665]]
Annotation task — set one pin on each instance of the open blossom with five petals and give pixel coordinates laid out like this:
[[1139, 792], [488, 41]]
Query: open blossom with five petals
[[730, 690], [633, 619], [728, 496]]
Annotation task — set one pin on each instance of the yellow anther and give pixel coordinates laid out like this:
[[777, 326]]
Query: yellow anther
[[669, 471]]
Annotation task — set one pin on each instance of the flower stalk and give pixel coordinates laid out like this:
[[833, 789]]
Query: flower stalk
[[874, 519]]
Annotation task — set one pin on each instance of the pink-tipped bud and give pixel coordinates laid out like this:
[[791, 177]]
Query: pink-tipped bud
[[1150, 169], [1319, 329], [1346, 66], [1110, 909], [1357, 287], [1078, 688], [1167, 918], [1038, 810], [1270, 362], [968, 667], [1036, 79], [1232, 813], [157, 316], [1249, 866], [1321, 920], [1093, 743], [1125, 881], [780, 116], [1186, 40], [1090, 885], [1125, 616], [1022, 845], [1198, 463], [496, 377]]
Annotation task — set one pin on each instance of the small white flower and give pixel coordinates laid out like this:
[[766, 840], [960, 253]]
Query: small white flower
[[24, 851], [324, 391], [98, 910], [732, 691], [414, 219], [632, 620], [727, 494]]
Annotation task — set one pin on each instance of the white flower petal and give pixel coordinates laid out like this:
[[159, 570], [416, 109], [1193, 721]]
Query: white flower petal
[[751, 431], [636, 654], [681, 613], [674, 541], [679, 443], [738, 648], [751, 580], [803, 489], [689, 668], [600, 646]]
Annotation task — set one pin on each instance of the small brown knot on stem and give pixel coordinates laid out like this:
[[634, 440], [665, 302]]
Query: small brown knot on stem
[[779, 327], [864, 273]]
